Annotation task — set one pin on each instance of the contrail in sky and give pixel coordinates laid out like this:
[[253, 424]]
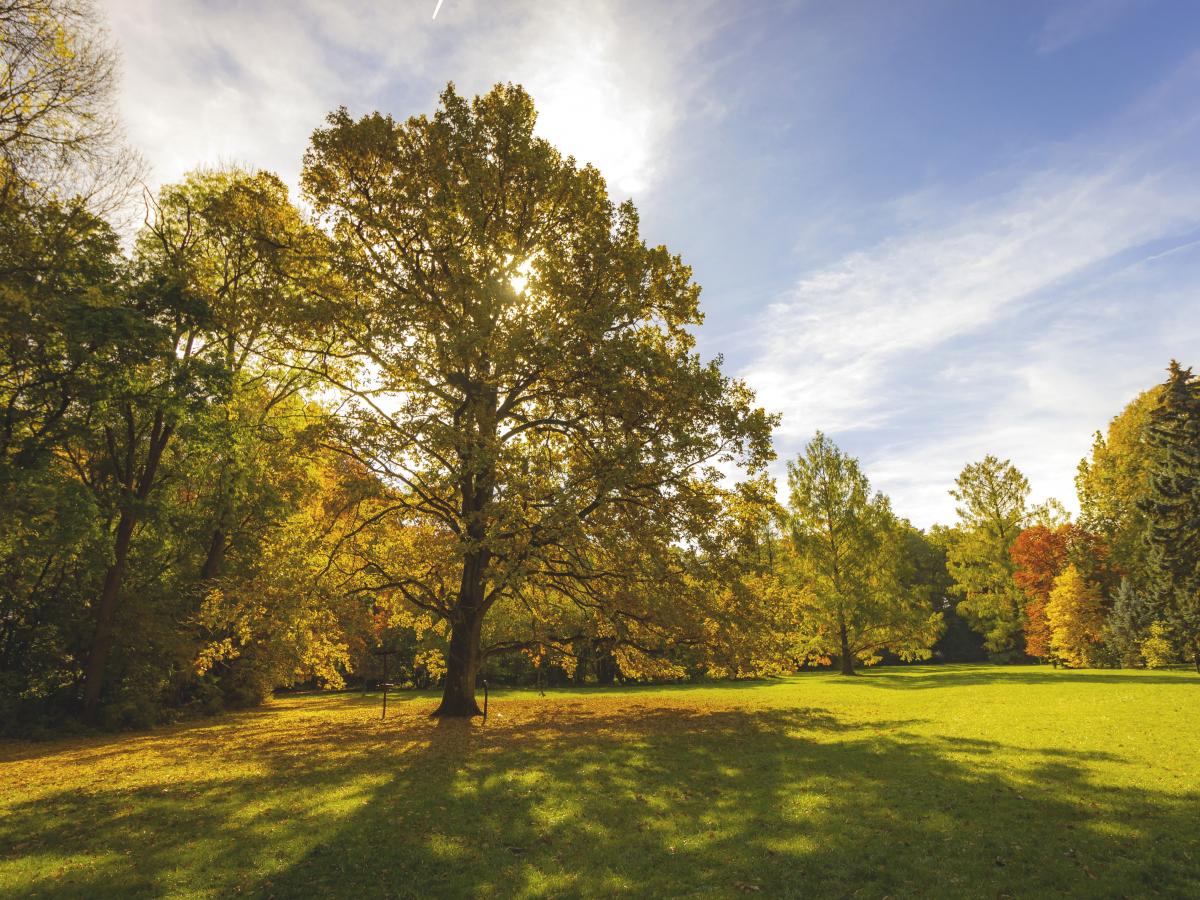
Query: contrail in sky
[[436, 8]]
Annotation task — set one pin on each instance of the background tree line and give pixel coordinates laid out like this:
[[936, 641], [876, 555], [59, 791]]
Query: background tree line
[[456, 409]]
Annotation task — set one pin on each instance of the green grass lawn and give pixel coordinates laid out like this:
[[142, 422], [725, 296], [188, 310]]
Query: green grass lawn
[[952, 781]]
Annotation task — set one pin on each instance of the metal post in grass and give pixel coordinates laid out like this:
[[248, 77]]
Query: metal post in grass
[[385, 654]]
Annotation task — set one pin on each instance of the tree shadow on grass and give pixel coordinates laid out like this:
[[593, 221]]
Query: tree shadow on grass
[[200, 732], [578, 798]]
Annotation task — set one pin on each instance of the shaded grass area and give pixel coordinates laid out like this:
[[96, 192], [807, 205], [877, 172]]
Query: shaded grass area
[[955, 782]]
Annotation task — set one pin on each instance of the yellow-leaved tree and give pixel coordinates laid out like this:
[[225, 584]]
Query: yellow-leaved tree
[[1157, 649], [1111, 483], [1076, 618]]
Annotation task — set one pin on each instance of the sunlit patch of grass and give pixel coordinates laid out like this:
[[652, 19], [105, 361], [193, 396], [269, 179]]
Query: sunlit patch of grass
[[954, 782]]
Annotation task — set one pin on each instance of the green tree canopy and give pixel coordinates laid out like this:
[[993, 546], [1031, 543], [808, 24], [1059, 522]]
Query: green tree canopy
[[992, 494], [527, 379], [852, 555]]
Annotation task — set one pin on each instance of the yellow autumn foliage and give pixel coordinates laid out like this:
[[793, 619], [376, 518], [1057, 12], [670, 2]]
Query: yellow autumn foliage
[[1076, 618], [1157, 649], [1116, 476]]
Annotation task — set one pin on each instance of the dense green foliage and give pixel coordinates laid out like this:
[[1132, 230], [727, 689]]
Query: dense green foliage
[[457, 412], [1129, 565], [1172, 507], [851, 553]]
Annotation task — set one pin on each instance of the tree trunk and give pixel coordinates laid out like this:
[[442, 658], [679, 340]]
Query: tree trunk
[[212, 561], [477, 485], [160, 436], [606, 667], [98, 656], [458, 697], [847, 659], [462, 666]]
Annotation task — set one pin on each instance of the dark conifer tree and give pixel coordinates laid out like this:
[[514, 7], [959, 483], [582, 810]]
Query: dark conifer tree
[[1172, 533], [1129, 624]]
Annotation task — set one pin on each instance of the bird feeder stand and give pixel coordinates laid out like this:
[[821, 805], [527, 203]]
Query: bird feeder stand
[[385, 654]]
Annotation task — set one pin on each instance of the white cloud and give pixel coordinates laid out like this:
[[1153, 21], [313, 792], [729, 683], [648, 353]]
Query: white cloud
[[250, 82], [204, 85], [588, 108], [973, 336], [846, 324]]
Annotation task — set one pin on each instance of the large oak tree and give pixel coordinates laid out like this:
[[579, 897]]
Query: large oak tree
[[524, 373]]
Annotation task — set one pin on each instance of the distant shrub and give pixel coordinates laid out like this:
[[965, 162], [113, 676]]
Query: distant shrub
[[1102, 656], [137, 714], [1006, 657], [1157, 649]]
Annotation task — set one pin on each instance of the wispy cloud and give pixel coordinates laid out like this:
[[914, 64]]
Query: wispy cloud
[[976, 331], [845, 324], [1079, 19], [250, 82]]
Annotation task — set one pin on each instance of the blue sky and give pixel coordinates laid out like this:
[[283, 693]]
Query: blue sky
[[934, 230]]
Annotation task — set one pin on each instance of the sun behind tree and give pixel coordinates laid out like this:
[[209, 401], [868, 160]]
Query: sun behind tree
[[526, 379]]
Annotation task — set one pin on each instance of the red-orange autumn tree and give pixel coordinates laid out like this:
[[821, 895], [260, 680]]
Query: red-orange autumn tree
[[1041, 554]]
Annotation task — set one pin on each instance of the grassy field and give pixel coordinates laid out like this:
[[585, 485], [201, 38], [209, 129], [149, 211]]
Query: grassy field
[[955, 781]]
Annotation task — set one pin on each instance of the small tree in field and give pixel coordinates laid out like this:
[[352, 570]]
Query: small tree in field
[[523, 379], [850, 554], [993, 496], [1157, 650], [1076, 618]]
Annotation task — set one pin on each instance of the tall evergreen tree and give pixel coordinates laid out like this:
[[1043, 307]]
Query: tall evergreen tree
[[1128, 625], [1172, 508]]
